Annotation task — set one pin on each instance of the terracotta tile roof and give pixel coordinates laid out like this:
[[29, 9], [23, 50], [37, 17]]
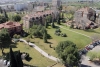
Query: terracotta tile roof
[[9, 25], [38, 14]]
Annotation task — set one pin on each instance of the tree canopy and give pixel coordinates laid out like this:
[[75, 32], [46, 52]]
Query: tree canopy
[[4, 38], [16, 18], [68, 52]]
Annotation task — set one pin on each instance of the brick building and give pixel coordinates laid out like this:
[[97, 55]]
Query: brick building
[[38, 17], [13, 27]]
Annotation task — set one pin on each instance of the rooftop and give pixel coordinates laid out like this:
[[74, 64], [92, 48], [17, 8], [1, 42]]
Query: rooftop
[[9, 24]]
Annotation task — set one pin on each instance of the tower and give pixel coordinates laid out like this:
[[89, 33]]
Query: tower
[[56, 3]]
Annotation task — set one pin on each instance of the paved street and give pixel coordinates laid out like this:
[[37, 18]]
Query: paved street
[[1, 63], [86, 63]]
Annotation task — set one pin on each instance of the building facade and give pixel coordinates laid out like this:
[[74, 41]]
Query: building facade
[[85, 18], [38, 18]]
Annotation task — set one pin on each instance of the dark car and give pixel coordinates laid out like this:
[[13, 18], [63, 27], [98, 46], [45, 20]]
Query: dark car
[[84, 51]]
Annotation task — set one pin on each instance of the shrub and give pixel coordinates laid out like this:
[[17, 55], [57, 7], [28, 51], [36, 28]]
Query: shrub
[[63, 35], [18, 36], [15, 36]]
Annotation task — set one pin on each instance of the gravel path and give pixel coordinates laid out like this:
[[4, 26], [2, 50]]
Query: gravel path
[[41, 51]]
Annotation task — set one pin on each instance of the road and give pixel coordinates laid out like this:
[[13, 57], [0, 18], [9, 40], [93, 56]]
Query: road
[[87, 63]]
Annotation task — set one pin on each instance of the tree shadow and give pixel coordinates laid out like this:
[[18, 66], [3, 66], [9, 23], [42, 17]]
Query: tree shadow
[[49, 36], [96, 62], [82, 65], [49, 43], [91, 30], [29, 65], [11, 44], [57, 27], [29, 59]]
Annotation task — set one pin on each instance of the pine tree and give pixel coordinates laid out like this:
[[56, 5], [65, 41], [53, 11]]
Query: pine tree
[[19, 60], [13, 62]]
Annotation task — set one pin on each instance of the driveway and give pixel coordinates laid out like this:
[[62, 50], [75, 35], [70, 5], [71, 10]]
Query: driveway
[[86, 62]]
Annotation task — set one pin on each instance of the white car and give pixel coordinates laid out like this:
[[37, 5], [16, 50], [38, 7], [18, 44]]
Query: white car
[[4, 62], [8, 63]]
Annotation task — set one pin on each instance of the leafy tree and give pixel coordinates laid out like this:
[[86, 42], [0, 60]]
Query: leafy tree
[[15, 36], [91, 55], [68, 52], [4, 39], [98, 56], [16, 18], [60, 8], [13, 61], [2, 19]]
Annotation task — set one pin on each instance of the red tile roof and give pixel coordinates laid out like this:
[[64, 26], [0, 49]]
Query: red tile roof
[[9, 25]]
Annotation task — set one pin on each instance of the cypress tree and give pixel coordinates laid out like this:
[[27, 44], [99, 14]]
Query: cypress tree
[[19, 60], [58, 22], [1, 10], [52, 23], [13, 62], [45, 37], [5, 15]]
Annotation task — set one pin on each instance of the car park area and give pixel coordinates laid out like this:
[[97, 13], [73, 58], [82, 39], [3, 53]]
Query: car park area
[[85, 59]]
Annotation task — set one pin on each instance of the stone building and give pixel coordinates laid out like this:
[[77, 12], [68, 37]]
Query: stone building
[[38, 18], [85, 18]]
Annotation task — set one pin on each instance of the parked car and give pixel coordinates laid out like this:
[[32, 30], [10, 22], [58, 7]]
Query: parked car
[[84, 51], [91, 47], [88, 48], [94, 44], [8, 64], [5, 62]]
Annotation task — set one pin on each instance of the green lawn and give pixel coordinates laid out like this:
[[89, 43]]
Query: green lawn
[[80, 40], [89, 32], [37, 59]]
